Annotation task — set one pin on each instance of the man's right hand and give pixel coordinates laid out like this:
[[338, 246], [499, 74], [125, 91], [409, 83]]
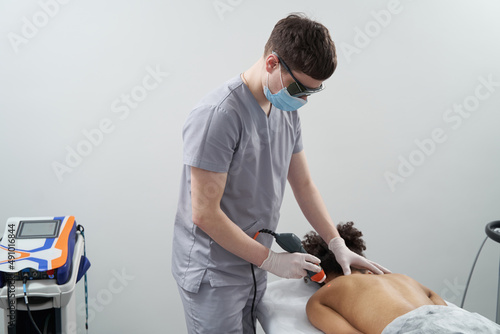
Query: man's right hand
[[290, 265]]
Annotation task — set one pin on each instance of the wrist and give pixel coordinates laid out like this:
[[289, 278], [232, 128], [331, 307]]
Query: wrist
[[267, 256], [267, 260], [336, 243]]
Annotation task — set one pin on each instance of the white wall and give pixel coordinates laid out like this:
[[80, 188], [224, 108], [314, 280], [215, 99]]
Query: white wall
[[70, 67]]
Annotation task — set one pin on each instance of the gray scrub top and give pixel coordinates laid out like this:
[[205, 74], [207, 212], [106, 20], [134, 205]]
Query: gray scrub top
[[228, 132]]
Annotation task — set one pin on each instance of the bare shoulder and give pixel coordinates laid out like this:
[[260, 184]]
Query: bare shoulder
[[320, 297], [339, 287], [320, 293], [324, 293]]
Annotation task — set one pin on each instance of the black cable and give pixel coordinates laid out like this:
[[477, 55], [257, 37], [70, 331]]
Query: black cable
[[254, 298], [47, 323], [81, 229], [471, 271], [25, 278], [264, 230]]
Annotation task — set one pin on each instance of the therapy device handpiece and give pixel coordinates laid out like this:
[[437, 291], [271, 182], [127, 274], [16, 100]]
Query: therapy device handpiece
[[292, 244], [44, 257]]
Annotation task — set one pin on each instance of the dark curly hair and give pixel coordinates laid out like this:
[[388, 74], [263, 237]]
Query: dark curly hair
[[304, 45], [315, 245]]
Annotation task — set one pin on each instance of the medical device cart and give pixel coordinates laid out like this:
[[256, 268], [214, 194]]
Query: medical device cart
[[41, 260]]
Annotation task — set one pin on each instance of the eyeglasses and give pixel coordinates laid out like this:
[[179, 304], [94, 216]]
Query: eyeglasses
[[296, 88]]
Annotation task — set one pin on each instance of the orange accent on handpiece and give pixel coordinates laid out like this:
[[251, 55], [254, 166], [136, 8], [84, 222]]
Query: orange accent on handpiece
[[319, 277]]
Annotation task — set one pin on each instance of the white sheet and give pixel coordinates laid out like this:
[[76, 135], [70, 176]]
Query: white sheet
[[438, 319], [282, 310]]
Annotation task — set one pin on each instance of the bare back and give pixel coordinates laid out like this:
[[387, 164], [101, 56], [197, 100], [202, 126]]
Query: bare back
[[369, 302]]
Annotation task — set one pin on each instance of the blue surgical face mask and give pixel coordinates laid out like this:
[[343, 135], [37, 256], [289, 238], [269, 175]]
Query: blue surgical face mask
[[282, 99]]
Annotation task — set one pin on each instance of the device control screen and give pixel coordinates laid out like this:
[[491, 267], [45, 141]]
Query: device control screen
[[38, 229]]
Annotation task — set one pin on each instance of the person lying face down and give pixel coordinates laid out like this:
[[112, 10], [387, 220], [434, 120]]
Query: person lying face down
[[365, 303]]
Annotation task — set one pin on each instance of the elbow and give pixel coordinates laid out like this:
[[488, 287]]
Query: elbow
[[198, 218], [202, 219]]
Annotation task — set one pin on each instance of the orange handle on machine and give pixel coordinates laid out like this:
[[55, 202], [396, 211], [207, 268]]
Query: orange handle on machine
[[292, 244]]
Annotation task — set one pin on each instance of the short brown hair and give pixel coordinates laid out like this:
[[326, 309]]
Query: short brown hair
[[315, 245], [304, 45]]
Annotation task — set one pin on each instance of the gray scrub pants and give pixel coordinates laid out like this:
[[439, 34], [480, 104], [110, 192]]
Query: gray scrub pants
[[220, 310]]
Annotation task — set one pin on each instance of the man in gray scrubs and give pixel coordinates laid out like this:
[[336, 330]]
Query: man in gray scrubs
[[242, 142]]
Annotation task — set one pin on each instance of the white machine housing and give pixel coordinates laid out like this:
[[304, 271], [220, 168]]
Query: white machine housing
[[46, 294]]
